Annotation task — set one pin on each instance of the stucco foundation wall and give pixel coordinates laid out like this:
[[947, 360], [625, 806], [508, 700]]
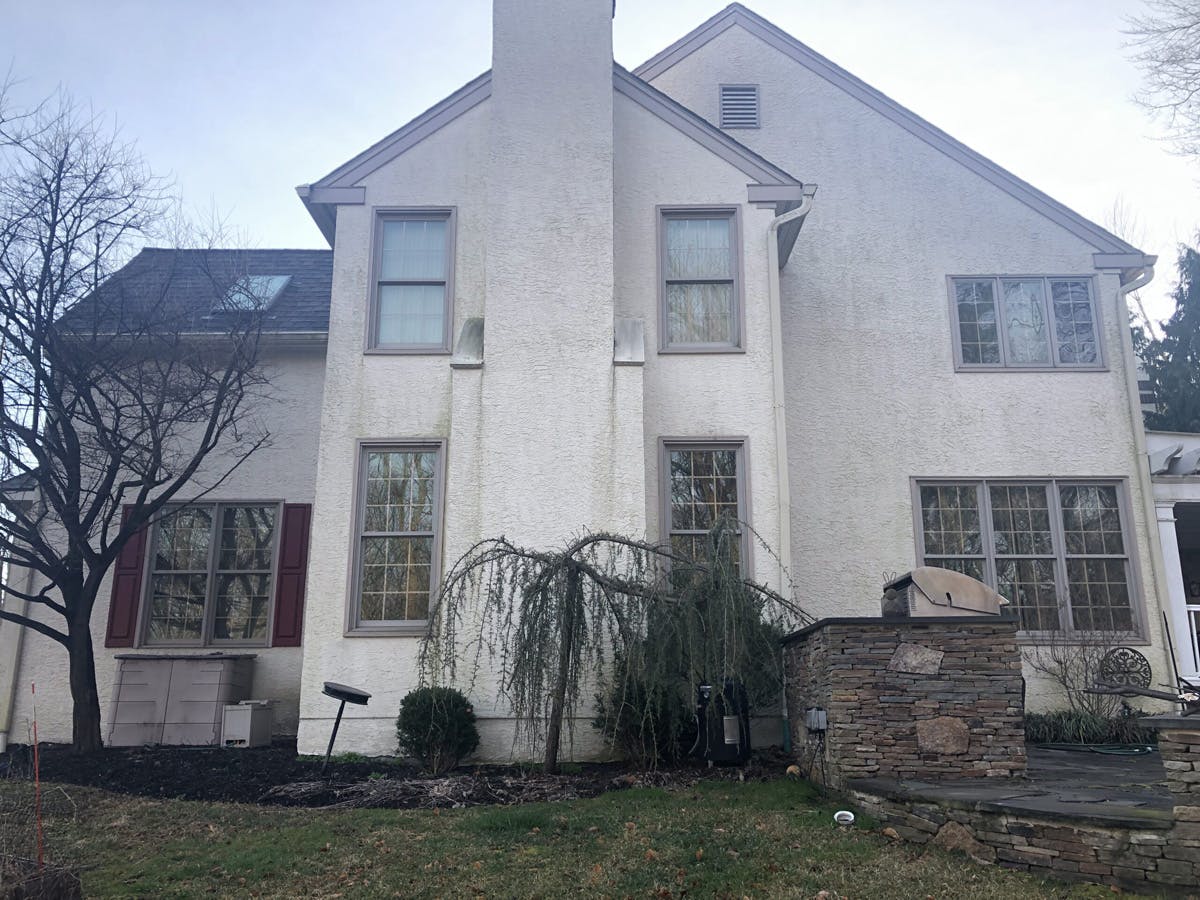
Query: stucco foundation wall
[[873, 398], [282, 471]]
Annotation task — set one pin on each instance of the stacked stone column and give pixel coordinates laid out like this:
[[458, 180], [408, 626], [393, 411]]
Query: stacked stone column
[[1179, 747]]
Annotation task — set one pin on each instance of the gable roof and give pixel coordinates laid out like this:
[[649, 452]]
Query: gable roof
[[194, 281], [343, 184], [1124, 254]]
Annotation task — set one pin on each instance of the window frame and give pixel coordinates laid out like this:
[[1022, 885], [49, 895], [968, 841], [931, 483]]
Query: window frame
[[721, 88], [210, 607], [734, 215], [354, 626], [1055, 364], [380, 215], [741, 445], [1053, 485]]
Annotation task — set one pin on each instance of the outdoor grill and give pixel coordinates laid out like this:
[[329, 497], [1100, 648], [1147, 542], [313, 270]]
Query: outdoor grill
[[930, 591]]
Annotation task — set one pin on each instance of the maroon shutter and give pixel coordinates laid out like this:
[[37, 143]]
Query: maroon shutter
[[126, 588], [289, 581]]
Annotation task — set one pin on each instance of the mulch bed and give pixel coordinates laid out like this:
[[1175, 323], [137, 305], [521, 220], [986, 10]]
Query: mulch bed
[[275, 775]]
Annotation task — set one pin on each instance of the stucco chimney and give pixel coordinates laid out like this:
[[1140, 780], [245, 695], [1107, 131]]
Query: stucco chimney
[[547, 445]]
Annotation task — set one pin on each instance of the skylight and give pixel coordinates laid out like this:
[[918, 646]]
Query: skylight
[[251, 293]]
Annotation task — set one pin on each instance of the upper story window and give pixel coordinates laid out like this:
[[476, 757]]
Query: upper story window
[[739, 106], [1058, 550], [701, 280], [211, 574], [398, 526], [1025, 323], [413, 275]]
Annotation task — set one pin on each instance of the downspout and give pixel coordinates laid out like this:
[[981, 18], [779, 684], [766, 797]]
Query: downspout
[[1133, 394], [777, 400], [784, 552], [11, 637]]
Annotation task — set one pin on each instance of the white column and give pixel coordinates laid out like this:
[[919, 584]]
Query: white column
[[1176, 600]]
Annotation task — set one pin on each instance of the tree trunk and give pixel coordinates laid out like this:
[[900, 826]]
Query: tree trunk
[[85, 719], [566, 647]]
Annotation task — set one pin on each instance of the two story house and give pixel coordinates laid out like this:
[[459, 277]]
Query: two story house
[[570, 296]]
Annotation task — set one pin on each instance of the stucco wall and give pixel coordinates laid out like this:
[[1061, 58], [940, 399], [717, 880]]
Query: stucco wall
[[284, 471], [873, 398]]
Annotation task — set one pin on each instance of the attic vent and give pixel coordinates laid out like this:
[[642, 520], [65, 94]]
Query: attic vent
[[253, 292], [739, 106]]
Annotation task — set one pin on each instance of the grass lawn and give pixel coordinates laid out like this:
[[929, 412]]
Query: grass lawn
[[721, 839]]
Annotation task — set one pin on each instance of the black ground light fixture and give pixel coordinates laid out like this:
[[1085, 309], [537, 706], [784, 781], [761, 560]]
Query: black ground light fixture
[[346, 694]]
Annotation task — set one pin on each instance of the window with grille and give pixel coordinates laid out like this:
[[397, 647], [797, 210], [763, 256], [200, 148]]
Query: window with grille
[[399, 518], [739, 106], [705, 487], [1057, 550], [1025, 323]]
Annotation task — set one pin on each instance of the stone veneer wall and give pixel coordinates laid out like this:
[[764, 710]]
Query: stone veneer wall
[[1154, 852], [936, 698]]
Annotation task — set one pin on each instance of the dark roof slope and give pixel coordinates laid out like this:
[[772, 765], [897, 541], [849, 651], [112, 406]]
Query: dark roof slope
[[193, 282]]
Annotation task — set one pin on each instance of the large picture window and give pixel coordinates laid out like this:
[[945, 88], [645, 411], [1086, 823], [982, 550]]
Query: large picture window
[[704, 485], [412, 290], [211, 574], [701, 281], [399, 518], [1057, 550], [1025, 323]]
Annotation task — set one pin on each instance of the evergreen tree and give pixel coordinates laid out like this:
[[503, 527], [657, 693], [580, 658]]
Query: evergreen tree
[[1172, 362]]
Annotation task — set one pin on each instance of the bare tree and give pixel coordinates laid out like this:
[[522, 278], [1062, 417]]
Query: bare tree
[[115, 397], [1167, 43]]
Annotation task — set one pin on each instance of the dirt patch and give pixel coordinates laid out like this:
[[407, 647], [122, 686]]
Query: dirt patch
[[276, 776]]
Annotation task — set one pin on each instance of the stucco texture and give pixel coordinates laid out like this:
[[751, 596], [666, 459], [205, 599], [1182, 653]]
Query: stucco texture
[[873, 399]]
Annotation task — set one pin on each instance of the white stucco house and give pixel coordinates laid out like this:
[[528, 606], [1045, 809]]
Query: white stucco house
[[568, 286]]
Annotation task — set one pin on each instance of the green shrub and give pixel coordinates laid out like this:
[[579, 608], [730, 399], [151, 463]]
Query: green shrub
[[1077, 727], [437, 726], [649, 727]]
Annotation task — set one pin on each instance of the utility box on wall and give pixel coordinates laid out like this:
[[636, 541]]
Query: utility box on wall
[[175, 699]]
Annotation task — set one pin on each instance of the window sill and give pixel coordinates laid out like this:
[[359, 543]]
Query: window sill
[[1069, 638], [962, 367], [407, 351], [702, 351], [416, 630]]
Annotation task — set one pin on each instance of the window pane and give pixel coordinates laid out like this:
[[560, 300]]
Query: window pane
[[401, 487], [950, 520], [1025, 323], [247, 538], [177, 607], [703, 488], [972, 567], [183, 541], [1029, 586], [979, 337], [413, 250], [396, 578], [1021, 520], [1074, 327], [1091, 519], [699, 248], [241, 607], [1099, 594], [700, 314], [411, 313]]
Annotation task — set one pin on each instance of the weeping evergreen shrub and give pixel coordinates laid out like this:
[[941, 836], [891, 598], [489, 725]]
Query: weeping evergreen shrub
[[640, 622], [437, 726]]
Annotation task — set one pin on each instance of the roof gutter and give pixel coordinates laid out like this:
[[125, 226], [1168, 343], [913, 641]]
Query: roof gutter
[[1132, 280], [774, 265]]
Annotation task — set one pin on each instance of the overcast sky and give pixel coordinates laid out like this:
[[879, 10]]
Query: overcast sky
[[241, 101]]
